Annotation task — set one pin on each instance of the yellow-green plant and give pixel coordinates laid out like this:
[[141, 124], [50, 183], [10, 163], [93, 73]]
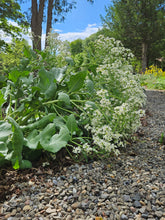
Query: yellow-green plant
[[154, 70]]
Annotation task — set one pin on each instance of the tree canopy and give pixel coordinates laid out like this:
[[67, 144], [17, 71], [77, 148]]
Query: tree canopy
[[10, 11], [50, 11], [138, 24]]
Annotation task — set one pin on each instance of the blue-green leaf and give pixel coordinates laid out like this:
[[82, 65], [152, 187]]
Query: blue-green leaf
[[64, 97], [76, 82], [57, 141], [5, 131], [71, 124]]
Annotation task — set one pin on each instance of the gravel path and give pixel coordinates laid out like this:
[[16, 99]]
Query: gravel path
[[129, 187]]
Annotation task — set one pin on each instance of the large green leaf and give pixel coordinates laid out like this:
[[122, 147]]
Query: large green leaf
[[39, 124], [71, 124], [76, 81], [15, 74], [48, 138], [32, 140], [17, 144], [47, 83], [3, 149], [58, 73], [90, 86], [64, 97], [57, 141], [5, 130]]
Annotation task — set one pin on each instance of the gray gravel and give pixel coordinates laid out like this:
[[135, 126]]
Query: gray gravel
[[129, 187]]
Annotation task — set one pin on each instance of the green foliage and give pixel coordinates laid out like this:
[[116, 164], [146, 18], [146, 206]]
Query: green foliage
[[136, 22], [11, 11], [10, 59], [47, 108], [153, 82], [76, 47], [39, 111]]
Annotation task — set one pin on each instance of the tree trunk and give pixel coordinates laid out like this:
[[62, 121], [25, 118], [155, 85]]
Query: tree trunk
[[144, 56], [36, 23], [49, 20]]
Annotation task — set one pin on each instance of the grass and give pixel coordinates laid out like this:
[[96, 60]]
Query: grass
[[153, 82]]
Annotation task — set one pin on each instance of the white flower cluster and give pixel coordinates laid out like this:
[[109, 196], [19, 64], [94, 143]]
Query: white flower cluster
[[119, 97]]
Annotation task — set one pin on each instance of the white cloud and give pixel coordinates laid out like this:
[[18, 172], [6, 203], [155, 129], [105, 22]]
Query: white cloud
[[71, 36]]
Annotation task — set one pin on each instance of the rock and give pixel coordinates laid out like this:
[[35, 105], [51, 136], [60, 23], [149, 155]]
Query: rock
[[49, 210], [124, 217], [136, 197], [159, 214], [145, 215], [142, 210], [69, 217], [137, 204], [127, 198], [104, 196], [75, 205], [13, 213], [26, 208]]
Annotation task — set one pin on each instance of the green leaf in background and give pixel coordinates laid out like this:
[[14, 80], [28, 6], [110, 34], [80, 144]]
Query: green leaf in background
[[15, 74], [71, 124], [44, 80], [2, 100], [76, 81], [64, 97]]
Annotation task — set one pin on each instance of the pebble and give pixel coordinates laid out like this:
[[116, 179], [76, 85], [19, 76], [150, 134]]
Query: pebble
[[128, 187]]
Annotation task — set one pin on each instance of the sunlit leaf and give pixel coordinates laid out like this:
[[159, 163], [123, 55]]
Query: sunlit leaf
[[76, 82], [64, 97]]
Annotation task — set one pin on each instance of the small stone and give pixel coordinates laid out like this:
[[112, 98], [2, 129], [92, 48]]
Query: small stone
[[49, 210], [84, 192], [142, 203], [55, 182], [26, 208], [159, 214], [149, 207], [104, 196], [142, 210], [127, 198], [136, 197], [124, 217], [132, 209], [69, 209], [13, 213], [75, 205], [79, 212], [69, 217], [137, 204], [74, 190], [92, 205], [145, 215]]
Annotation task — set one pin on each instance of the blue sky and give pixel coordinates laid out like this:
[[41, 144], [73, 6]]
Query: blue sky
[[80, 22]]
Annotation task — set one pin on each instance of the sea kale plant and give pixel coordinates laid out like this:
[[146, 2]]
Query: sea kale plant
[[47, 108]]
